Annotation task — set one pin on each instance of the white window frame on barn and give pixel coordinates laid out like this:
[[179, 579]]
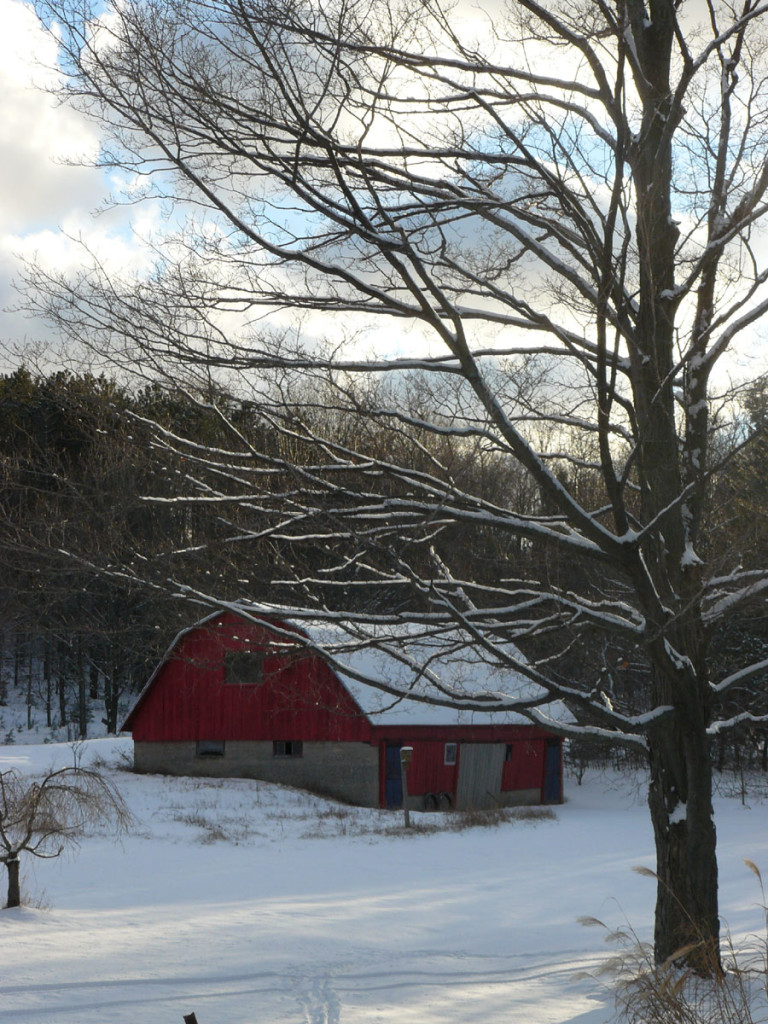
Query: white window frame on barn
[[451, 753]]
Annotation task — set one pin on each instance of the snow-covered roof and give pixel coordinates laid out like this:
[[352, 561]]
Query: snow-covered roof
[[423, 661]]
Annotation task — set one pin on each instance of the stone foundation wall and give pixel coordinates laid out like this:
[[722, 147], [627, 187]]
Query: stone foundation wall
[[346, 771]]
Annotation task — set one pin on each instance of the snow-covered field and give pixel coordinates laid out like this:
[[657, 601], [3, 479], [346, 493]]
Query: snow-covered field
[[253, 904]]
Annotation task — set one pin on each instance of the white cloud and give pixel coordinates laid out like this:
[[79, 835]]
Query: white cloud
[[37, 133], [43, 191]]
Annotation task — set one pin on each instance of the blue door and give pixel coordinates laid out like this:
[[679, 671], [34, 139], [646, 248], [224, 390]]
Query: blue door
[[552, 773], [393, 783]]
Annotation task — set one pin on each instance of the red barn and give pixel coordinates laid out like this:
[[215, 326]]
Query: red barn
[[241, 696]]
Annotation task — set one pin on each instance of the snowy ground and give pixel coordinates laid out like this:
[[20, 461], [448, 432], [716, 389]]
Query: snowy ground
[[253, 904]]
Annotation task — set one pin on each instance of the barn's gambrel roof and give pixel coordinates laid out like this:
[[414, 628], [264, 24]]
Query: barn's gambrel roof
[[413, 658]]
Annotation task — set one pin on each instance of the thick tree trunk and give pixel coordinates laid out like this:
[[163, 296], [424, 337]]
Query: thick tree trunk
[[14, 888], [680, 802], [680, 791]]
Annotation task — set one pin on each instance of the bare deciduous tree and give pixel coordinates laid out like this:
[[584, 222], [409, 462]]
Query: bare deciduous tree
[[576, 186], [44, 817]]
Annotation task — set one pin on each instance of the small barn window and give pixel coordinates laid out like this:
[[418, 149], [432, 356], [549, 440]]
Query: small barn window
[[287, 748], [509, 751], [451, 750], [210, 748], [244, 668]]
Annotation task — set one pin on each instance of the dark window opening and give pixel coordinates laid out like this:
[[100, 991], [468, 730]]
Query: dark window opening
[[244, 668], [210, 748], [287, 748], [509, 752], [451, 750]]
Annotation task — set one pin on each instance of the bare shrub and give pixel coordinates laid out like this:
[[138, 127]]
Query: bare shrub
[[731, 988], [213, 834], [492, 818], [44, 817], [121, 760]]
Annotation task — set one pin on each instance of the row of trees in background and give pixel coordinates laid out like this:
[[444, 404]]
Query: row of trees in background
[[92, 569], [78, 633], [102, 531]]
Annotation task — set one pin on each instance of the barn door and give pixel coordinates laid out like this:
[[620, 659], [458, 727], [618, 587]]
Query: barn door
[[552, 773], [393, 780], [480, 767]]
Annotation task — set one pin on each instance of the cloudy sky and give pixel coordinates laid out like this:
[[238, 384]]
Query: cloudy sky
[[46, 201], [43, 198]]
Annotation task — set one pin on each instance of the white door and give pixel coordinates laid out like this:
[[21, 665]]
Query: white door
[[480, 767]]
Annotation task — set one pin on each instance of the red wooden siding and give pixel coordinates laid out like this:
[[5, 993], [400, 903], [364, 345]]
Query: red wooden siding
[[525, 770], [427, 773], [298, 699]]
